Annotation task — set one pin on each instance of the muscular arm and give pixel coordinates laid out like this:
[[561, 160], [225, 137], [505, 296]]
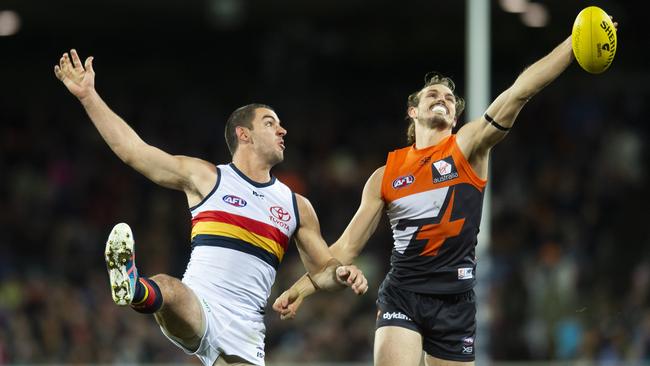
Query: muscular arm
[[190, 175], [364, 223], [176, 172], [348, 246], [316, 257], [478, 137]]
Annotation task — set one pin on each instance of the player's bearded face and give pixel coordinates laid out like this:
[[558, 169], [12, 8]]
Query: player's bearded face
[[437, 107]]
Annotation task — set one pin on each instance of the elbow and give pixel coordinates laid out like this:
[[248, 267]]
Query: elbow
[[522, 95], [127, 152]]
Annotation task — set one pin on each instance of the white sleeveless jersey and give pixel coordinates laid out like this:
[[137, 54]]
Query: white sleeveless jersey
[[240, 232]]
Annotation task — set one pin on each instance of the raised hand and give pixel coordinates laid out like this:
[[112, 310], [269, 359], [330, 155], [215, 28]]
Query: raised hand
[[79, 80], [352, 276]]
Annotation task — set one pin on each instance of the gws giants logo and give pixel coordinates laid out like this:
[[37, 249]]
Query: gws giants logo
[[280, 216], [234, 200], [403, 181], [444, 170]]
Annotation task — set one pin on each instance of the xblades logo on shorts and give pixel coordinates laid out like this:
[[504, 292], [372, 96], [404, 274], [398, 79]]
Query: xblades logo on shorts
[[468, 345]]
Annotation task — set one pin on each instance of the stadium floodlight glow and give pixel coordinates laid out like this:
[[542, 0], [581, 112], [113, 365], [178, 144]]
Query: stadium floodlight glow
[[9, 23], [536, 15], [226, 13], [514, 6]]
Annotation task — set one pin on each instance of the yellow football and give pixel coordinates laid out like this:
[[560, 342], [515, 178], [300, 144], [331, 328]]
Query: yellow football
[[593, 39]]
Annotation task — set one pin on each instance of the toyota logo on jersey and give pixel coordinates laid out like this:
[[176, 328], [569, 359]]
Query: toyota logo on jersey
[[280, 213]]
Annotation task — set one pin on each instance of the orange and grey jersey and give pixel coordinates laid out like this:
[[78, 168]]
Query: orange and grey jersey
[[240, 233], [434, 201]]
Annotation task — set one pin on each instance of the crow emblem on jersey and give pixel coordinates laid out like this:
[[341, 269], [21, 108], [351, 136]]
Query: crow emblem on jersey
[[444, 170]]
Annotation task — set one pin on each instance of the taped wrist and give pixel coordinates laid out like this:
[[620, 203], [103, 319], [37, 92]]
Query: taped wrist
[[331, 265], [313, 282]]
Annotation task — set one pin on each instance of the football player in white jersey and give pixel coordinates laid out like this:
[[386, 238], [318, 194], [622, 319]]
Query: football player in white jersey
[[211, 313]]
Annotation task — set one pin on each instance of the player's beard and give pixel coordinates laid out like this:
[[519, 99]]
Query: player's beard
[[436, 121]]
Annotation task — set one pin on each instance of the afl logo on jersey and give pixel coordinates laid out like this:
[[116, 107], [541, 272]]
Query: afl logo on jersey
[[403, 181], [234, 201]]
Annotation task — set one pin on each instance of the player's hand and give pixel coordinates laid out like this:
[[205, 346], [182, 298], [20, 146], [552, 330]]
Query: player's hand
[[288, 303], [352, 276], [79, 79]]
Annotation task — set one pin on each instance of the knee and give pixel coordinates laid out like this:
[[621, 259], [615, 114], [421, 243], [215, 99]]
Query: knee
[[166, 284], [162, 279]]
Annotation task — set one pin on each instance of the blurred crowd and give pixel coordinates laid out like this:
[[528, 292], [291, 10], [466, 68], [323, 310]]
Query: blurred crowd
[[569, 272]]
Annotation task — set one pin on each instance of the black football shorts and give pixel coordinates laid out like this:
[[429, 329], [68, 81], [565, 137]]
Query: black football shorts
[[447, 323]]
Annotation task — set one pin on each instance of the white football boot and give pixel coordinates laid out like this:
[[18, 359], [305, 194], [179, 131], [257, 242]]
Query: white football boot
[[120, 262]]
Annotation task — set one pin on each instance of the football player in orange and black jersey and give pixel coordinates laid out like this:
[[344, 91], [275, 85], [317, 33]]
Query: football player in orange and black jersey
[[433, 192]]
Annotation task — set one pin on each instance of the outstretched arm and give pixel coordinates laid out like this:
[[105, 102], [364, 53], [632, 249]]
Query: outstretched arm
[[478, 137], [345, 249], [178, 172]]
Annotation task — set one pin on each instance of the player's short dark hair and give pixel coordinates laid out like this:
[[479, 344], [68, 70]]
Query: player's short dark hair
[[243, 117], [431, 78]]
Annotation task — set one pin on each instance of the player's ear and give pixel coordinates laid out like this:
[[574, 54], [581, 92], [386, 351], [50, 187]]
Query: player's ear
[[412, 112], [242, 133]]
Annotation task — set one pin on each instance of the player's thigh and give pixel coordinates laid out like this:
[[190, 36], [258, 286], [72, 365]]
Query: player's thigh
[[397, 346], [181, 314], [434, 361]]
